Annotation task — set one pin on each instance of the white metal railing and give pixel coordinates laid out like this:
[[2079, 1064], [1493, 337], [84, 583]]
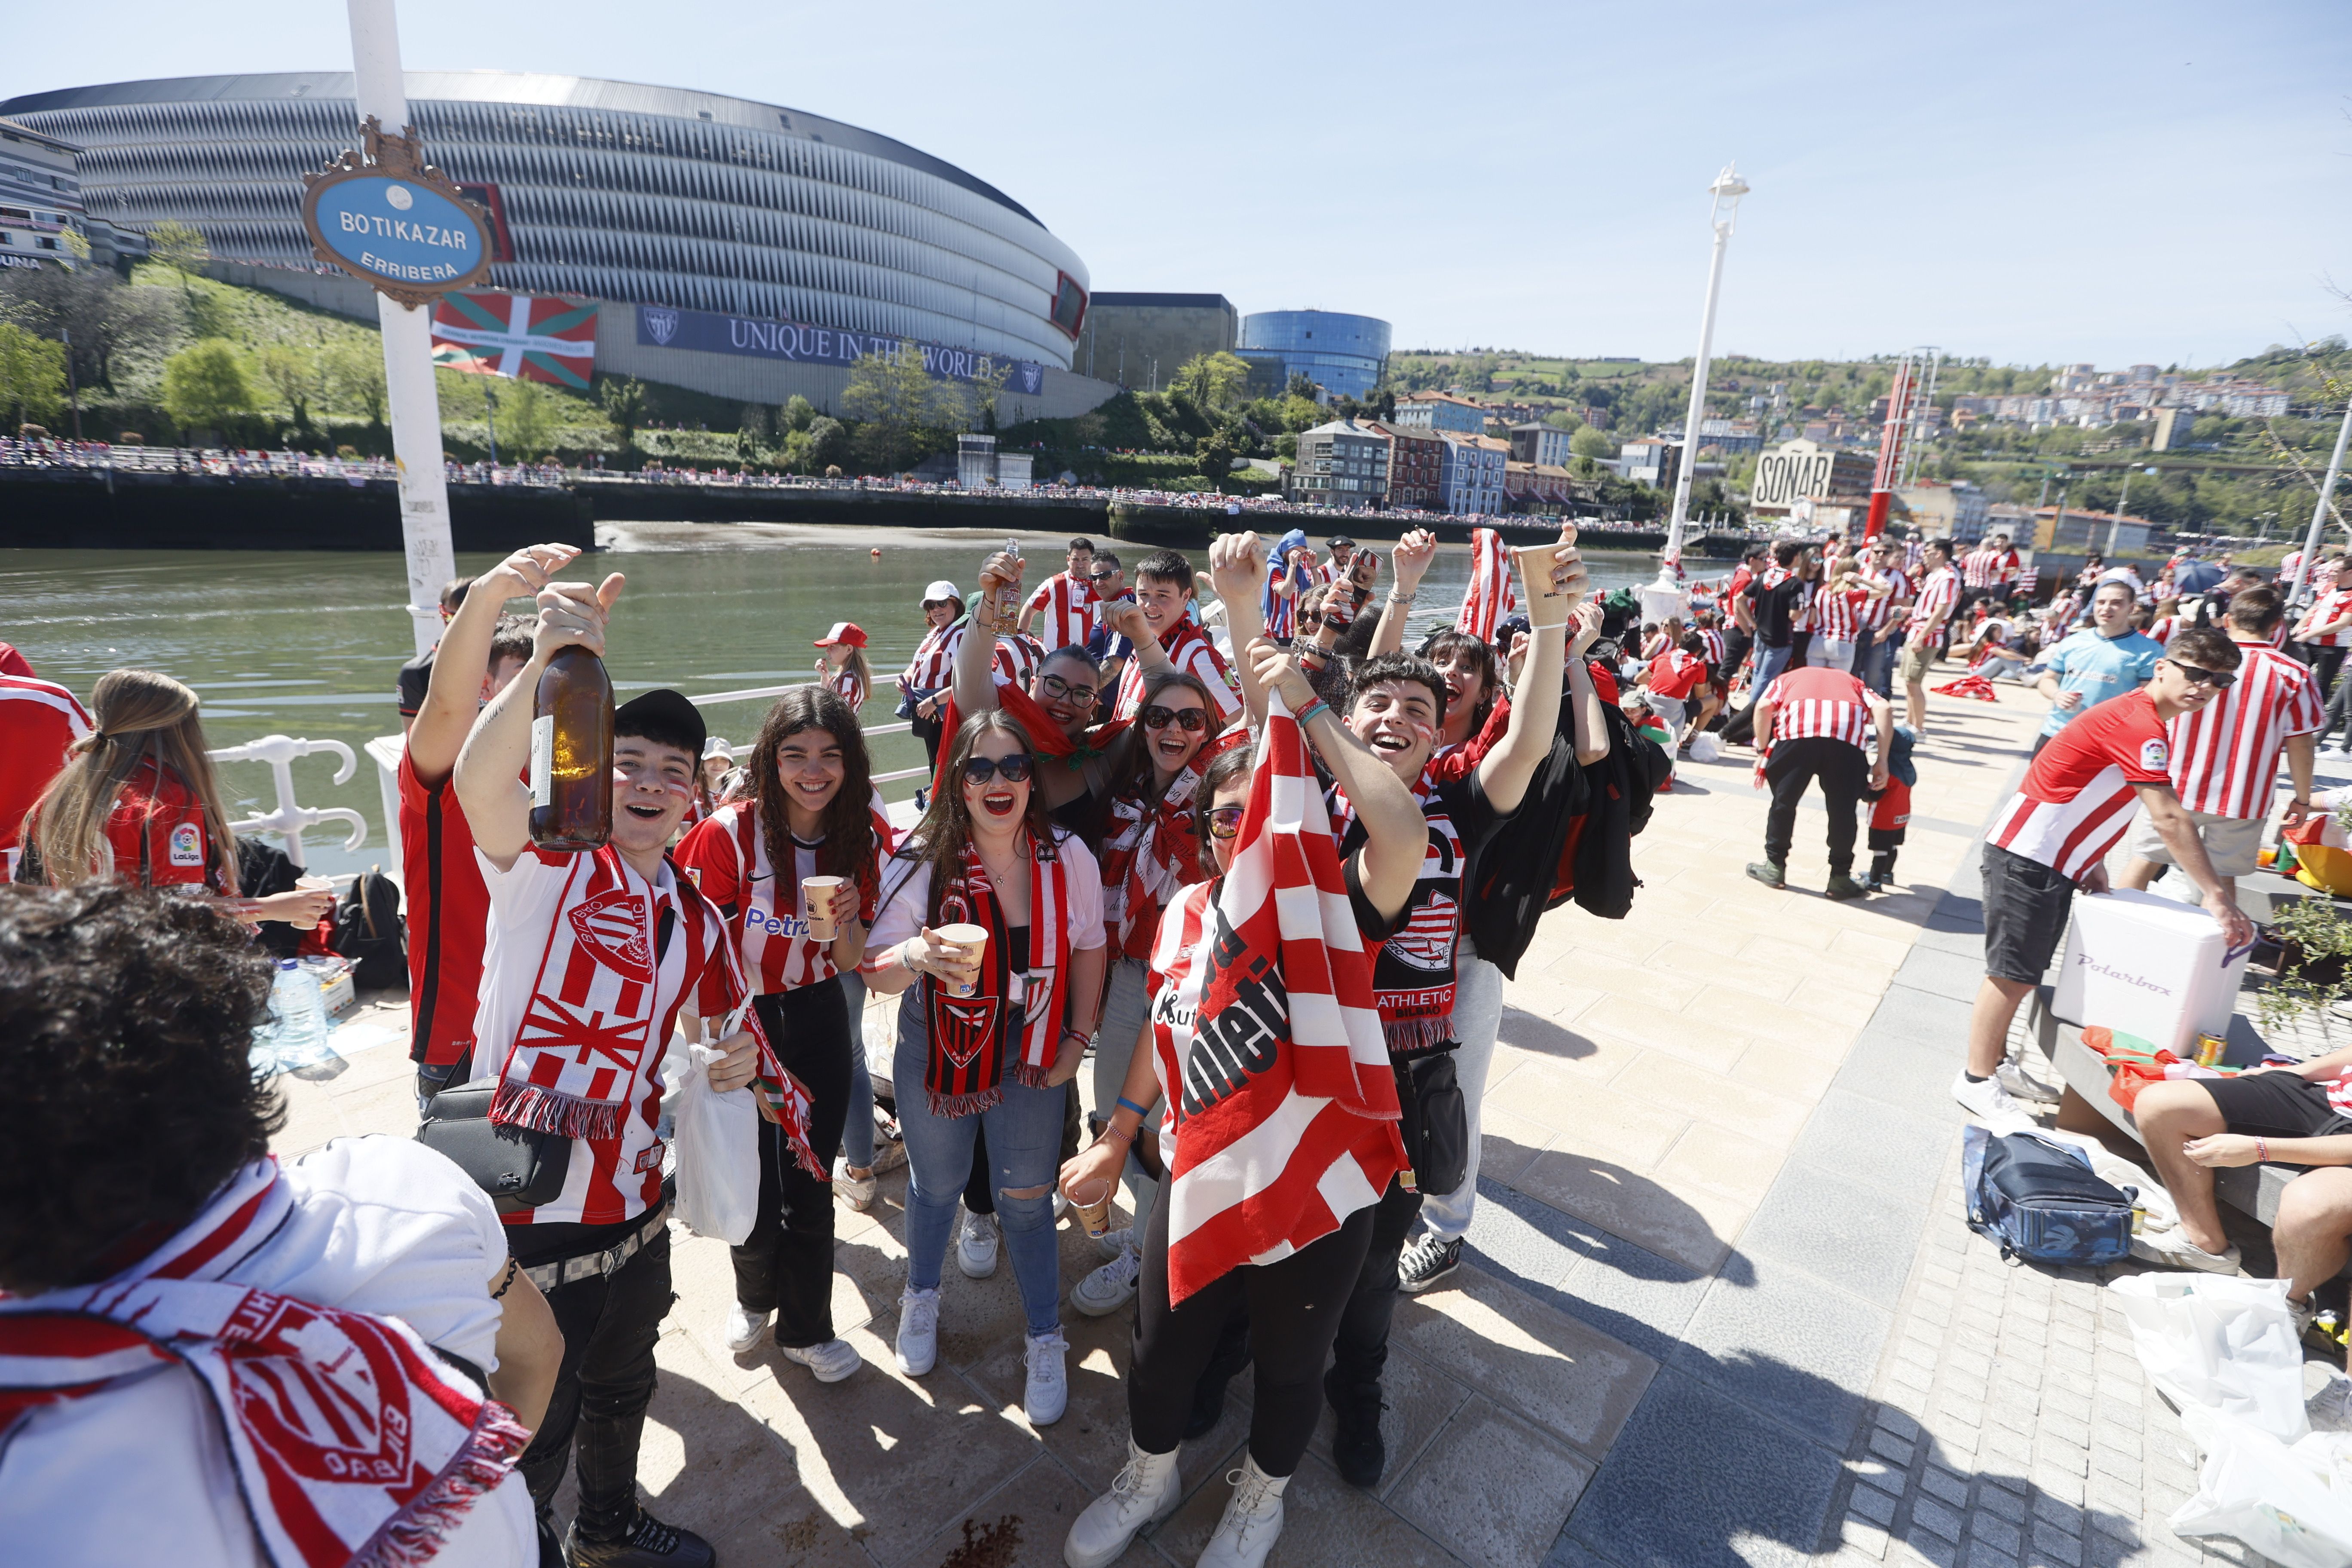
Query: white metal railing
[[290, 820]]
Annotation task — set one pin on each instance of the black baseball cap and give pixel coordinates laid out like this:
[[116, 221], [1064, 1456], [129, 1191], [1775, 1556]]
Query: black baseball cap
[[663, 715]]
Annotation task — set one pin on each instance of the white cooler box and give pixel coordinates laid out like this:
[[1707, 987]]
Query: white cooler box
[[2149, 966]]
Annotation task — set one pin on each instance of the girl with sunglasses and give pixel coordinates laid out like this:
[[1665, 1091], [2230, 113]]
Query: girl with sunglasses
[[992, 1037]]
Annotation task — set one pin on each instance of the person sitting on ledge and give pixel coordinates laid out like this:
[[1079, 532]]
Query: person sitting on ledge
[[2297, 1116]]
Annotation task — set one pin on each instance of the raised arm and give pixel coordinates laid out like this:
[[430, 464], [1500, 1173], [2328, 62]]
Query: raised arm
[[1591, 736], [1397, 834], [455, 695], [975, 655], [1236, 565], [1552, 596], [491, 765], [1413, 553]]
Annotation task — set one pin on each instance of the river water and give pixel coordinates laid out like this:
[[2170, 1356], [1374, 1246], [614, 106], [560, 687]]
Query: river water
[[308, 643]]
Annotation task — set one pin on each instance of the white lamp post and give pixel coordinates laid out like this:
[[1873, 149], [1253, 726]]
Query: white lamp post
[[2310, 556], [1665, 597]]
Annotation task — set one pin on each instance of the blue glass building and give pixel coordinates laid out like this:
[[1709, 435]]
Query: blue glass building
[[1343, 355]]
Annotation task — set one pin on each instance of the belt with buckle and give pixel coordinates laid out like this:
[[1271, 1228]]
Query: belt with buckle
[[570, 1271]]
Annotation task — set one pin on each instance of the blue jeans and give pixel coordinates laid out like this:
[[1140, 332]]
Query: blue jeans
[[1873, 661], [857, 1123], [1769, 663], [1024, 1145], [1126, 1001]]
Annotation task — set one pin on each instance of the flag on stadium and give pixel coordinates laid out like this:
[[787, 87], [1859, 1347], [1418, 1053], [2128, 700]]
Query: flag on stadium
[[1288, 1118], [526, 337], [1490, 597]]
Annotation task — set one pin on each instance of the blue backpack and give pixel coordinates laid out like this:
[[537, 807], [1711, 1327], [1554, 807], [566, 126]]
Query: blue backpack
[[2040, 1199]]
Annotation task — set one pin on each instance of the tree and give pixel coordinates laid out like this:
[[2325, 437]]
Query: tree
[[355, 371], [1212, 381], [623, 398], [828, 442], [181, 247], [893, 395], [1216, 454], [32, 375], [799, 413], [1561, 419], [298, 376], [529, 418], [105, 316], [985, 387], [1589, 443], [205, 386], [1299, 386]]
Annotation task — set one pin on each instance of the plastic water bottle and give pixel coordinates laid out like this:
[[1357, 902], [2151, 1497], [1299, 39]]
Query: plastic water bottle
[[295, 1035]]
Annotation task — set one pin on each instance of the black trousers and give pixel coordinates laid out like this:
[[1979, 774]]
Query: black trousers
[[1844, 773], [1294, 1309], [609, 1325], [1362, 1349], [785, 1264]]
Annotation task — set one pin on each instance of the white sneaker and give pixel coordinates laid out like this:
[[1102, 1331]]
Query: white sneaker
[[1048, 1391], [2302, 1311], [1987, 1101], [744, 1327], [976, 1247], [1251, 1522], [2013, 1079], [831, 1360], [888, 1155], [1109, 1287], [1145, 1491], [2173, 1250], [1111, 1243], [857, 1192], [918, 1331]]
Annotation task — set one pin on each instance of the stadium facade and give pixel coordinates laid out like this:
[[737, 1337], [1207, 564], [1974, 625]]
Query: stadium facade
[[650, 196]]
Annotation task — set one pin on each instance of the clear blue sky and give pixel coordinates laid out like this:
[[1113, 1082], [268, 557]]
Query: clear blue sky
[[2052, 181]]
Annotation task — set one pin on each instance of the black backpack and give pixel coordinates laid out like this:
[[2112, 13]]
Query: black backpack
[[368, 932]]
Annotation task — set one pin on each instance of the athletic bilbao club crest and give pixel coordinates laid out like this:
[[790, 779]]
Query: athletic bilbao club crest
[[323, 1394], [964, 1024], [1426, 939], [612, 925], [661, 325]]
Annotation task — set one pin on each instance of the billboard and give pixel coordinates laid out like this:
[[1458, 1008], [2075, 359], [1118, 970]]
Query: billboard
[[1784, 477], [668, 327]]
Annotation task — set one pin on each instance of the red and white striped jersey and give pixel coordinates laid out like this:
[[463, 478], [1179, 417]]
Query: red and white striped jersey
[[848, 688], [1716, 650], [727, 857], [933, 666], [1936, 596], [1875, 611], [1819, 700], [1836, 612], [2336, 605], [1067, 606], [38, 721], [2162, 628], [2225, 756], [1980, 568], [1189, 649], [1018, 660], [2079, 795]]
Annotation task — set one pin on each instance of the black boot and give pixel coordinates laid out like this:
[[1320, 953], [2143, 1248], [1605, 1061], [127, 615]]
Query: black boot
[[1232, 1354], [649, 1543], [1356, 1446]]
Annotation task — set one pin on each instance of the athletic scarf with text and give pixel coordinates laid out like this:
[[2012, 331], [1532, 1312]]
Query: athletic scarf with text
[[1490, 595], [1414, 974], [965, 1074], [1153, 849], [1280, 1095], [348, 1441]]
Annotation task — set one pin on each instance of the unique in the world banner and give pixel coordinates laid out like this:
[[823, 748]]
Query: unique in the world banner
[[666, 326], [531, 338]]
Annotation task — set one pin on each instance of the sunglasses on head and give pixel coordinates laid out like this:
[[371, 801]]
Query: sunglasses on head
[[1225, 821], [2220, 679], [981, 770], [1191, 720], [1054, 685]]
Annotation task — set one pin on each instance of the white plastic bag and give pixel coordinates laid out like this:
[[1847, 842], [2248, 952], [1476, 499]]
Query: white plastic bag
[[2292, 1503], [1706, 746], [2220, 1344], [718, 1140]]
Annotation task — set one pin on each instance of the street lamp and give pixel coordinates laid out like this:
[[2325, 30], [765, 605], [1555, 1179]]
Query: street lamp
[[1665, 597]]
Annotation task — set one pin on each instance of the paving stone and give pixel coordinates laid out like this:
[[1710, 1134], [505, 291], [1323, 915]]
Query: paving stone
[[1790, 1346], [1892, 1479], [1994, 1531], [1930, 1549], [1927, 1513], [2063, 1456], [1492, 1488], [1984, 1554], [1861, 1535], [2003, 1500], [1894, 1420], [1873, 1504], [1891, 1448], [2057, 1495], [2058, 1546], [1942, 1483]]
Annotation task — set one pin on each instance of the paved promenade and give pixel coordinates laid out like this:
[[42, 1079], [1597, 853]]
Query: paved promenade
[[1719, 1307]]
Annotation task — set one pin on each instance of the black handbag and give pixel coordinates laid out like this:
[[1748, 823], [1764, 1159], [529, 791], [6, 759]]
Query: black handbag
[[1436, 1121], [519, 1167]]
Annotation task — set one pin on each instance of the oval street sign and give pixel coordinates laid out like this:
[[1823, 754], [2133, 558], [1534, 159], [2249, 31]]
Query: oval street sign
[[392, 220]]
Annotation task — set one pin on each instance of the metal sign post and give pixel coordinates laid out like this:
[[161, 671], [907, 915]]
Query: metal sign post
[[1665, 597]]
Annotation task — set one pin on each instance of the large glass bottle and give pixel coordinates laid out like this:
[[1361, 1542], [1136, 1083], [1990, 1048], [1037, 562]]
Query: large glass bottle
[[572, 753]]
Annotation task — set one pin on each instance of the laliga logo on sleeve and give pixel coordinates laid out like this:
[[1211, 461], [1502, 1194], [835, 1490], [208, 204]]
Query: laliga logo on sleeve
[[660, 325], [187, 847], [2154, 755]]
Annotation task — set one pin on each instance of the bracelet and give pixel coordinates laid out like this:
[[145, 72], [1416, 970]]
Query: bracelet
[[506, 1282], [1126, 1104], [1111, 1130], [1070, 1033], [1305, 715], [2261, 1152], [1397, 598]]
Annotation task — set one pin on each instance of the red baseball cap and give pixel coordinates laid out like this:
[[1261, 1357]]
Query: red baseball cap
[[844, 634]]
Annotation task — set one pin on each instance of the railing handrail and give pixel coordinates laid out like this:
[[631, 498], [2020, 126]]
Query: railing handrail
[[291, 818]]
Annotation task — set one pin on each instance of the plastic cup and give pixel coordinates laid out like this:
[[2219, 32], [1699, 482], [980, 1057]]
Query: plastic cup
[[973, 940], [315, 885], [816, 906]]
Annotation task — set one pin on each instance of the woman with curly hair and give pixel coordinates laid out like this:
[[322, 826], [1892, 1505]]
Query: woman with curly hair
[[145, 1422], [806, 815], [991, 1035]]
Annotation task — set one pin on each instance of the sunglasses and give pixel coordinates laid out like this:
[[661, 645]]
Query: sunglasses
[[2220, 679], [981, 770], [1102, 576], [1054, 685], [1192, 720], [1225, 821]]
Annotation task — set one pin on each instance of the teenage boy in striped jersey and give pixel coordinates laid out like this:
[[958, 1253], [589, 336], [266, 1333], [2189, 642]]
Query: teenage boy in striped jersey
[[1813, 723]]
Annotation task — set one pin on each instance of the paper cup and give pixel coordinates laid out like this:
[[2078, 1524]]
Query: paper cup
[[816, 906], [1544, 607], [315, 885], [972, 939], [1094, 1215]]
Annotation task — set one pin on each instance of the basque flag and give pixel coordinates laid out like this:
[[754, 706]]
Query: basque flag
[[521, 336]]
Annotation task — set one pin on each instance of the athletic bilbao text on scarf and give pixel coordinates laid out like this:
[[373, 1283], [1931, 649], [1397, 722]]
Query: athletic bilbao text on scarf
[[965, 1074]]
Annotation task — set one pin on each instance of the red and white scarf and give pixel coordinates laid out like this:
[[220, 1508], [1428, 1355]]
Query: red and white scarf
[[1152, 851], [348, 1441], [1015, 998], [1490, 597], [1269, 1048]]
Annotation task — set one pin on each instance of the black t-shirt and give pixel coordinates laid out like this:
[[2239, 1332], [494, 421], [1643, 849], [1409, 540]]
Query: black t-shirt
[[1774, 608], [1474, 821], [415, 675]]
